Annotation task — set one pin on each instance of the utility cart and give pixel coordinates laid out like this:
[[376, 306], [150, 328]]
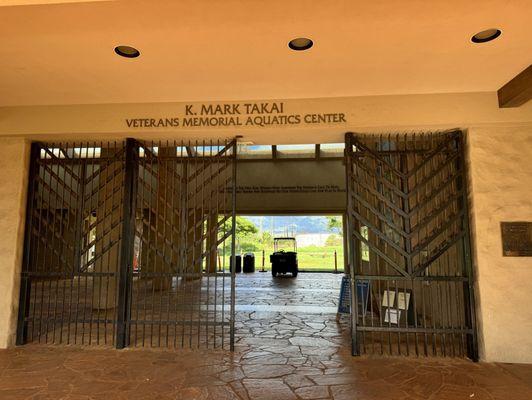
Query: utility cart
[[283, 261]]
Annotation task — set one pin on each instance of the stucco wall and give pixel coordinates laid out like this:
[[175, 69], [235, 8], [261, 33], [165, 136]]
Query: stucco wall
[[13, 182], [501, 187], [381, 114]]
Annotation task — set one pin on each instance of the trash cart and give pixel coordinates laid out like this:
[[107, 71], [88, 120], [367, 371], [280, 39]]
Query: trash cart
[[238, 264], [249, 263], [284, 261]]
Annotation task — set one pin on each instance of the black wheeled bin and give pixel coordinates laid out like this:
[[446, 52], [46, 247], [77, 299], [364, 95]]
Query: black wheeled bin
[[249, 263], [238, 264]]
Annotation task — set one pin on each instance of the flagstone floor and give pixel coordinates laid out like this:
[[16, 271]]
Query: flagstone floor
[[288, 346]]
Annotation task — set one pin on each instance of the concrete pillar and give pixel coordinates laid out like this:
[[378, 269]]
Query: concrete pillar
[[14, 166], [163, 237]]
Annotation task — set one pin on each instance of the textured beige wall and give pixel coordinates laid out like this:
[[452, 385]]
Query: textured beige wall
[[381, 114], [501, 185], [13, 182]]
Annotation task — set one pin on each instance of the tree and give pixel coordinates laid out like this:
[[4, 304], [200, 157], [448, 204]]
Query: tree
[[246, 234], [266, 239], [334, 224], [334, 240], [244, 227]]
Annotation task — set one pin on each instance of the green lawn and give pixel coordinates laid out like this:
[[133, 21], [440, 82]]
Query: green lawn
[[310, 258]]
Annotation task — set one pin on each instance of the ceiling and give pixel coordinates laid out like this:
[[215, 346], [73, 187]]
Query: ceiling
[[204, 50]]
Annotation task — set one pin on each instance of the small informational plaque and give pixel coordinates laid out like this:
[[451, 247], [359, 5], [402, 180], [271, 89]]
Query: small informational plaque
[[516, 239]]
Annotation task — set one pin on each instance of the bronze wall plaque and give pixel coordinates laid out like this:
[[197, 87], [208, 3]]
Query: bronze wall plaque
[[516, 239]]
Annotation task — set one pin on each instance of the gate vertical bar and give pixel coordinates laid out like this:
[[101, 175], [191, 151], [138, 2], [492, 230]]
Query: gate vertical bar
[[79, 220], [127, 244], [345, 241], [183, 239], [233, 249], [355, 350], [25, 283]]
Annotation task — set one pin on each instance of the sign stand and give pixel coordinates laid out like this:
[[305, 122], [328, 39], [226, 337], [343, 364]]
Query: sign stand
[[344, 301]]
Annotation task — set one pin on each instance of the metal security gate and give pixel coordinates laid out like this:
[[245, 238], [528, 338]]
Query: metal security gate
[[182, 290], [72, 244], [409, 245], [129, 244]]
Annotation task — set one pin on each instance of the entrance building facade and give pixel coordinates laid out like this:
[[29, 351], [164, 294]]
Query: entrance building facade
[[428, 206]]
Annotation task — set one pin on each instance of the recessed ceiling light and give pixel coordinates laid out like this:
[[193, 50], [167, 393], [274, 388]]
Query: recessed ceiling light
[[127, 51], [300, 44], [486, 36]]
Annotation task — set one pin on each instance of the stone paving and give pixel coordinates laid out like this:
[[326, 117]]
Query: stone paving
[[283, 351]]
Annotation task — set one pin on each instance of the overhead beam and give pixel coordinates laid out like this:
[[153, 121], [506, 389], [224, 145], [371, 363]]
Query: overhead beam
[[518, 91]]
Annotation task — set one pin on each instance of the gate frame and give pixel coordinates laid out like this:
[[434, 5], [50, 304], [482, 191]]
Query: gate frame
[[25, 281], [127, 244]]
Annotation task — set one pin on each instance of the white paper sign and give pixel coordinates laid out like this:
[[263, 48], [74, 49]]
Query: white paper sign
[[403, 300], [388, 298], [392, 316]]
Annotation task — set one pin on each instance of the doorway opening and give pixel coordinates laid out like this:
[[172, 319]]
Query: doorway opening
[[318, 239], [276, 309], [135, 243], [296, 191]]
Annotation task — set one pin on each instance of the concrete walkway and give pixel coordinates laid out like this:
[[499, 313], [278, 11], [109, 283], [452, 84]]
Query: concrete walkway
[[288, 346]]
